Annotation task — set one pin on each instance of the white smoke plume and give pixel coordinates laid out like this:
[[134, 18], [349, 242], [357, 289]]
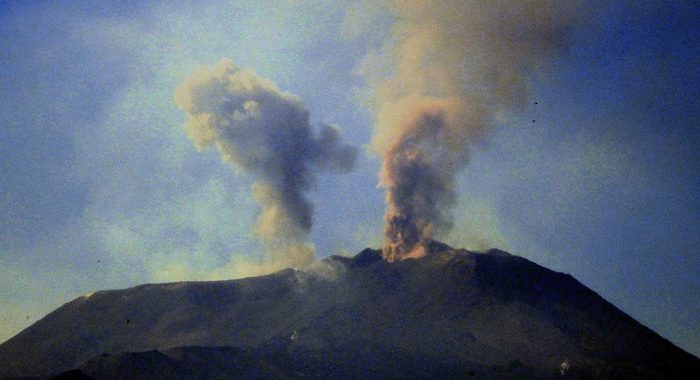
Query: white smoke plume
[[455, 64], [265, 133]]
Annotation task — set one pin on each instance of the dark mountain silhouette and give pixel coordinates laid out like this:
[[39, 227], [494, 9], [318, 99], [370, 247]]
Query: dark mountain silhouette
[[451, 314]]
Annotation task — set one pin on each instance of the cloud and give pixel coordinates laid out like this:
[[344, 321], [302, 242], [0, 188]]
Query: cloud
[[265, 133], [455, 65], [479, 227], [361, 18]]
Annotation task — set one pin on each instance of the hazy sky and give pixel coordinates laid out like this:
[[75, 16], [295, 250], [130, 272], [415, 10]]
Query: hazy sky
[[100, 186]]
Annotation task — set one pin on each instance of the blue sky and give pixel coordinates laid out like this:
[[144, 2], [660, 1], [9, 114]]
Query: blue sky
[[100, 186]]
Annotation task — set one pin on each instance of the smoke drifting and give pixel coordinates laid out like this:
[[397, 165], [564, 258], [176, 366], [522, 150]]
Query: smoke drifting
[[265, 133], [455, 65]]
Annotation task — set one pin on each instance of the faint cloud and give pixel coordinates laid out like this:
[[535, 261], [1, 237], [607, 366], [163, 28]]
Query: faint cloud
[[362, 18], [477, 226]]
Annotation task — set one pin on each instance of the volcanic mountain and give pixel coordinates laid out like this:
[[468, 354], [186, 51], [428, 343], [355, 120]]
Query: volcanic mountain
[[451, 314]]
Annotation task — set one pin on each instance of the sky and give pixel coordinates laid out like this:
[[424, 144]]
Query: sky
[[596, 175]]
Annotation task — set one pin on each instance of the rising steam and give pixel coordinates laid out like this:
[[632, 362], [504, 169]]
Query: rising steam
[[265, 133], [455, 64]]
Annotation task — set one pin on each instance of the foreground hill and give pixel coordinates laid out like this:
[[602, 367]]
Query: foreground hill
[[453, 313]]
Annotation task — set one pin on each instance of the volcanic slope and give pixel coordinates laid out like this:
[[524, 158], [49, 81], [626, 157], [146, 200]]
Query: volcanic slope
[[451, 314]]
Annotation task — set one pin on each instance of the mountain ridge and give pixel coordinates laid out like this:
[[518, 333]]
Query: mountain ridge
[[453, 309]]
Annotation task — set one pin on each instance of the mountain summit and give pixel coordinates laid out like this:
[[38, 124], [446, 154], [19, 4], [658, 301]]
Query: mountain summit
[[450, 314]]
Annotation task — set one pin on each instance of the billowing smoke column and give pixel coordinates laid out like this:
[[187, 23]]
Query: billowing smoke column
[[455, 65], [266, 133]]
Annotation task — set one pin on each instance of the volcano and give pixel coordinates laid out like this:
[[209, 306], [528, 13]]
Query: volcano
[[451, 314]]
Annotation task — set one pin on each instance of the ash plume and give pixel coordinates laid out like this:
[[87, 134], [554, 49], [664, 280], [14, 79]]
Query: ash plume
[[266, 133], [454, 65]]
